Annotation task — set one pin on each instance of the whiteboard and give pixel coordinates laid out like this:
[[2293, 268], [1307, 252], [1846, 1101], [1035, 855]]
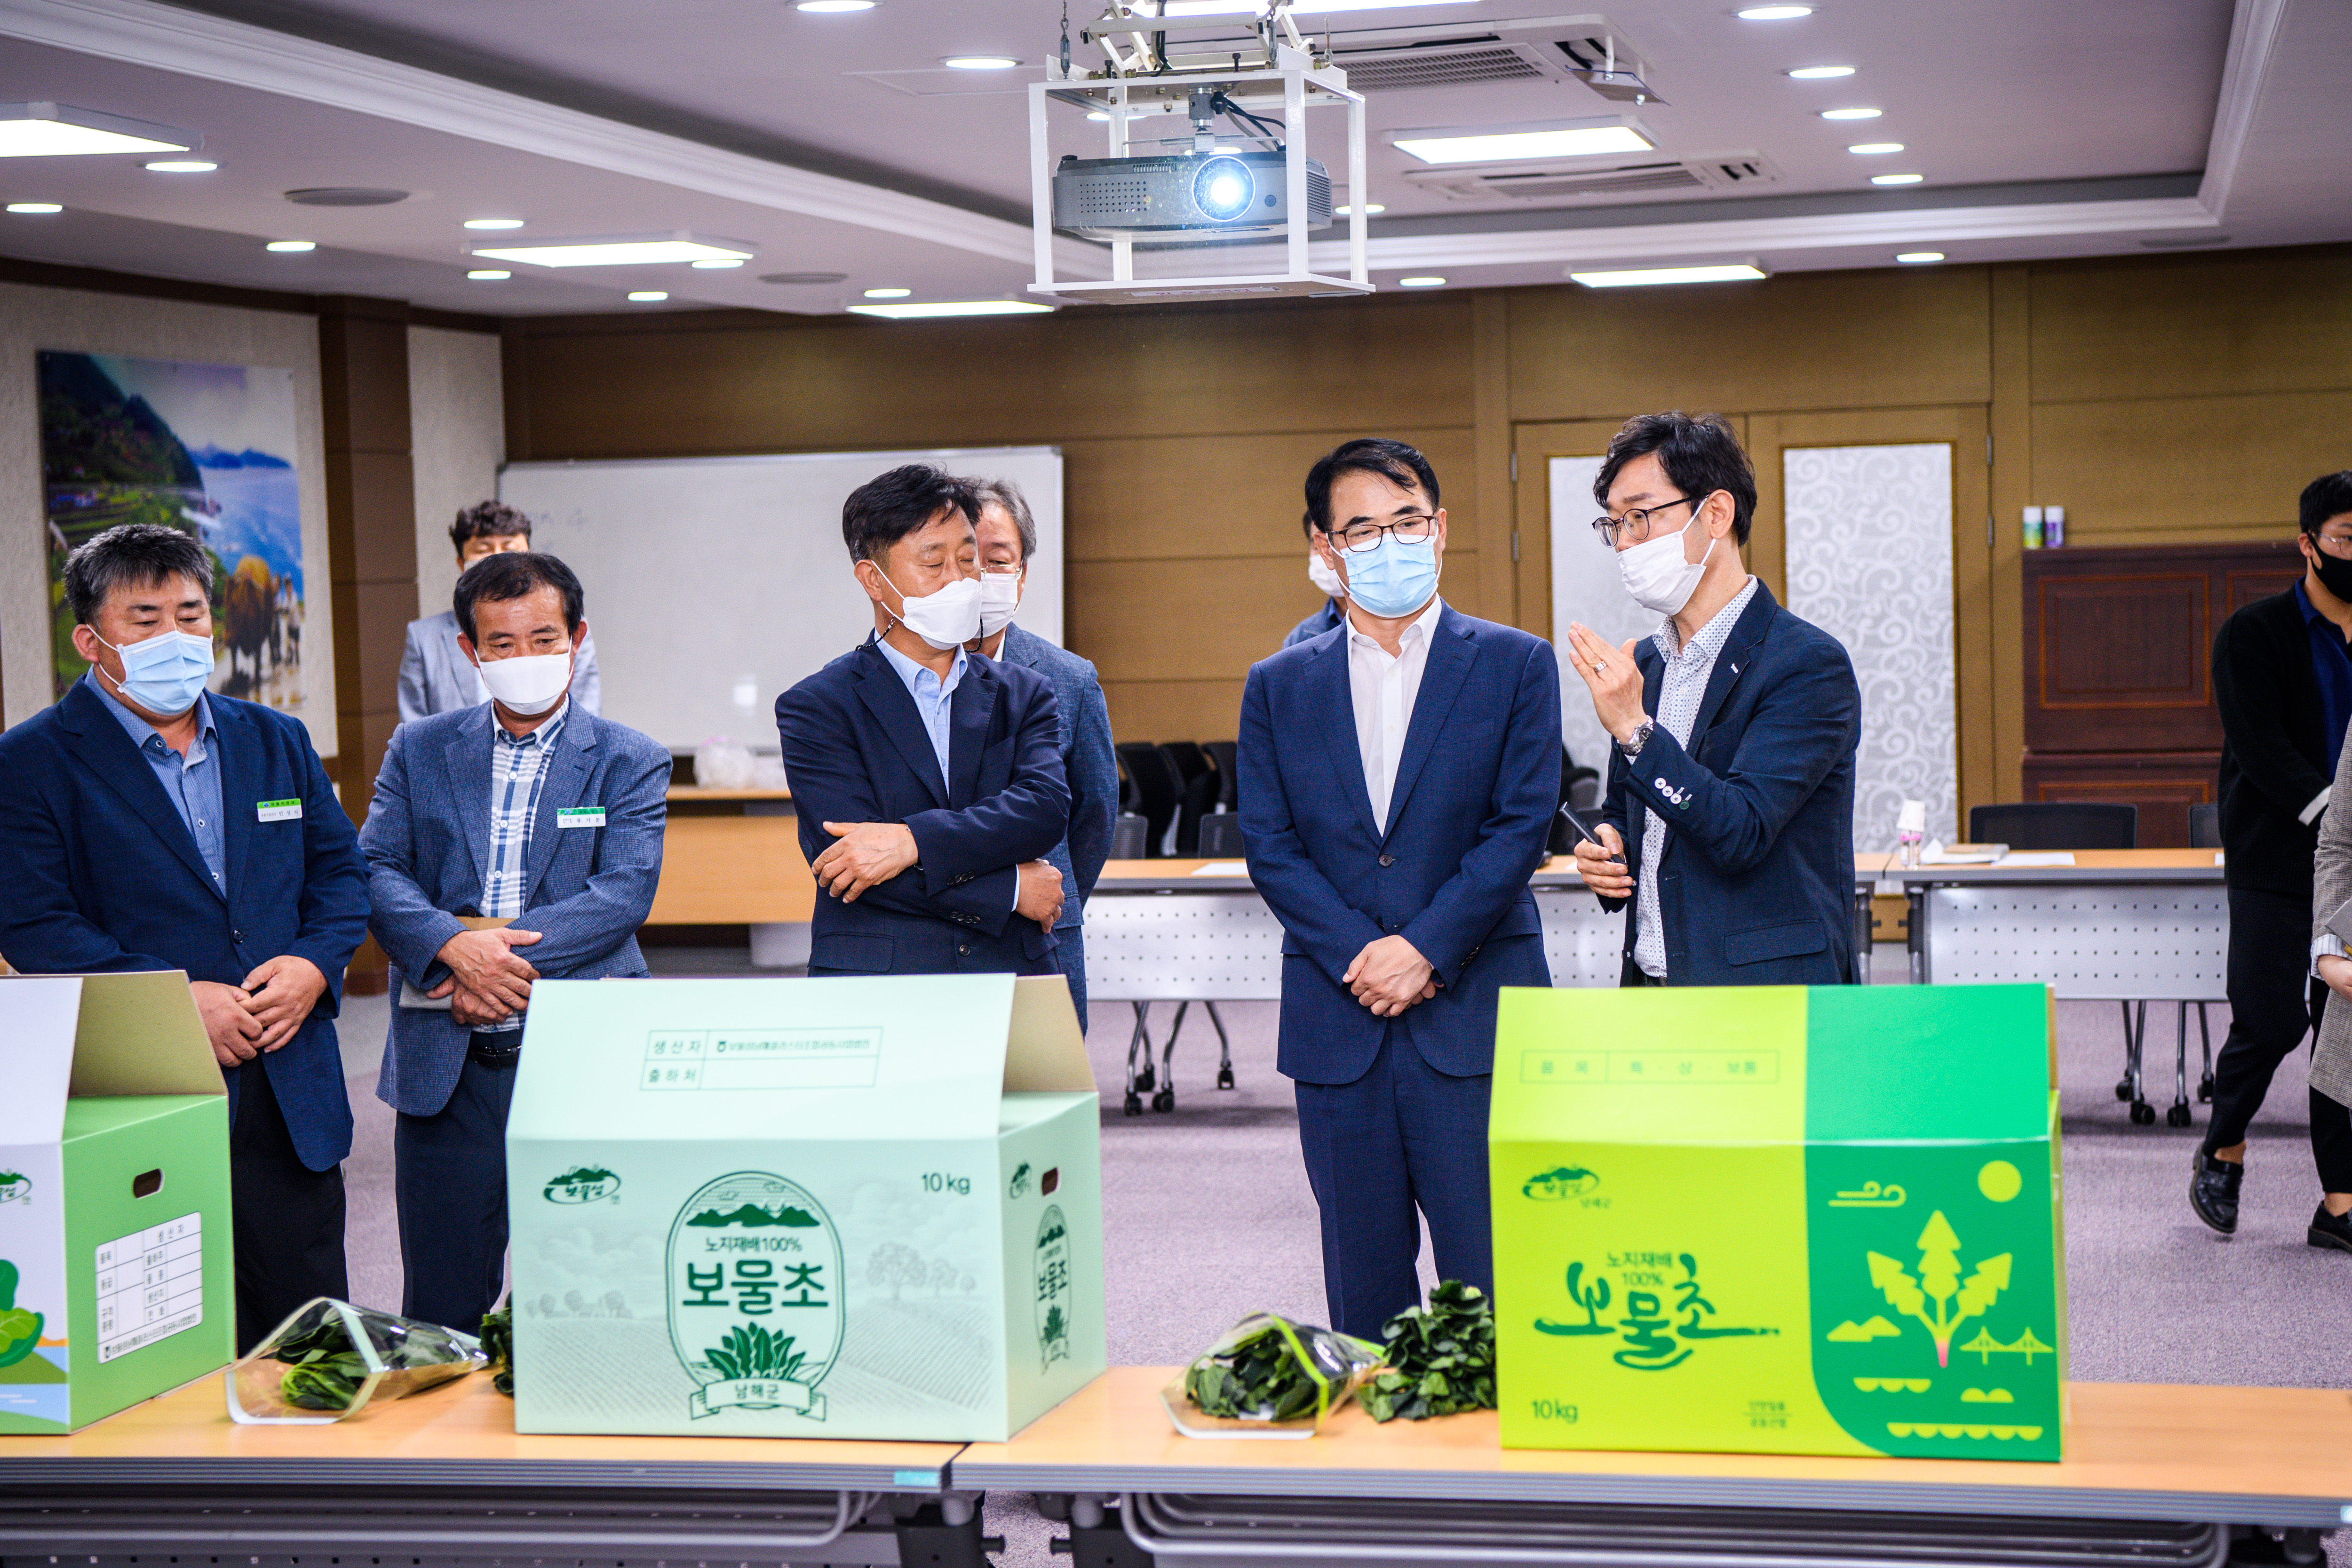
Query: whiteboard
[[1585, 587], [714, 583]]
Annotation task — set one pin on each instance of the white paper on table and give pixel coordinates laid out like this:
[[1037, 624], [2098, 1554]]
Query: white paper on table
[[2038, 857], [1222, 868]]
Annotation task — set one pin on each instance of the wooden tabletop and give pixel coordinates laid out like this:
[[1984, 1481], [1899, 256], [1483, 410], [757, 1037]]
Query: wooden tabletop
[[1560, 869], [2252, 1455], [701, 791]]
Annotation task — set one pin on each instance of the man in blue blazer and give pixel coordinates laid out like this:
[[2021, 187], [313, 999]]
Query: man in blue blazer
[[1008, 537], [928, 779], [1398, 779], [1729, 817], [524, 809], [145, 824]]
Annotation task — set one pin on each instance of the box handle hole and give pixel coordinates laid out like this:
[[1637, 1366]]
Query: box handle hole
[[146, 1183]]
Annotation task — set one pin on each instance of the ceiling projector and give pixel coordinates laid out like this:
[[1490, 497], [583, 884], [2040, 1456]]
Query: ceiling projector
[[1183, 196]]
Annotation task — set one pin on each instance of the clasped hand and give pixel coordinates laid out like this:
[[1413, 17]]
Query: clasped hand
[[488, 982], [244, 1021], [1390, 975]]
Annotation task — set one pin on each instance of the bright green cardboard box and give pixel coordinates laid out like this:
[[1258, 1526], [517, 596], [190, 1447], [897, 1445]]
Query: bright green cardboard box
[[115, 1271], [1779, 1220], [804, 1208]]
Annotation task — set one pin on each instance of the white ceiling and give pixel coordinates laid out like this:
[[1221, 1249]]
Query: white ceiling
[[837, 142]]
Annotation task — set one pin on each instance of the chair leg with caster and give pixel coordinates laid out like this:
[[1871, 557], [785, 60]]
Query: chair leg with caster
[[1141, 1040], [2123, 1085], [2205, 1032], [1224, 1048], [2143, 1114], [2176, 1114]]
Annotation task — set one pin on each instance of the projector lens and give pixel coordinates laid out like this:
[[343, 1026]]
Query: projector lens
[[1222, 188]]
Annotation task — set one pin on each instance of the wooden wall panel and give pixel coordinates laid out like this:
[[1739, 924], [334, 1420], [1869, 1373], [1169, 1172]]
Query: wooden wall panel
[[1175, 709], [2149, 470], [2181, 326]]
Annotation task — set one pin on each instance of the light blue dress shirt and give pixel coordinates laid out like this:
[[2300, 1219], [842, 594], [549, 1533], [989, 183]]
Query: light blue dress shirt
[[933, 697], [192, 782]]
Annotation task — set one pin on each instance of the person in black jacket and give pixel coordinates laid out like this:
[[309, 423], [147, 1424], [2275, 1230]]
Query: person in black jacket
[[2283, 678]]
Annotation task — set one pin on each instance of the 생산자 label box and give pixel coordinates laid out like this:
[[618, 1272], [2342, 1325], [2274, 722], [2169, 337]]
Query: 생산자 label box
[[115, 1268], [804, 1208], [1778, 1220]]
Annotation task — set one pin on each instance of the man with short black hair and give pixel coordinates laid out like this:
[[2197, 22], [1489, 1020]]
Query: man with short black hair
[[2283, 681], [928, 779], [1736, 727], [147, 824], [435, 677], [513, 841], [1327, 581]]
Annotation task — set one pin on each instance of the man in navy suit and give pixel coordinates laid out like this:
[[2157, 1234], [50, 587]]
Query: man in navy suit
[[1398, 779], [1729, 818], [527, 809], [144, 824], [928, 779]]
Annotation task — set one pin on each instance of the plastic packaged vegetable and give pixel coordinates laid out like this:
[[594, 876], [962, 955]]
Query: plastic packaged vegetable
[[330, 1358], [1268, 1376]]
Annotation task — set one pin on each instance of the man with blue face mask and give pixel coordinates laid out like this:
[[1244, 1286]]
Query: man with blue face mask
[[146, 824], [1398, 778]]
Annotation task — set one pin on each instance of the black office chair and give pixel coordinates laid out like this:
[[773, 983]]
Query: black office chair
[[1158, 791], [1220, 836], [1579, 787], [1221, 839], [1199, 797], [1229, 774], [2205, 825], [1127, 833]]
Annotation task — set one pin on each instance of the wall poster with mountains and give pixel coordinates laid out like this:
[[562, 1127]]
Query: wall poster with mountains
[[204, 449]]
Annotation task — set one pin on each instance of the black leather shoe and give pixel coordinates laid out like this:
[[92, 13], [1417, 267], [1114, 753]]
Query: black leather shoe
[[2330, 1230], [2213, 1192]]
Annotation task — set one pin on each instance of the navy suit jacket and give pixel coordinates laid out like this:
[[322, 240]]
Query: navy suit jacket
[[855, 750], [428, 841], [1756, 884], [98, 875], [1468, 820], [1087, 761]]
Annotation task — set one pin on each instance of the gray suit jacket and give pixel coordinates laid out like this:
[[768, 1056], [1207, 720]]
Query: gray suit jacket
[[435, 678], [1088, 762], [2331, 884], [427, 839]]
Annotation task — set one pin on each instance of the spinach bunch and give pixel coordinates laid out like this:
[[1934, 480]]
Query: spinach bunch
[[1268, 1368], [498, 1343], [325, 1370], [1440, 1358]]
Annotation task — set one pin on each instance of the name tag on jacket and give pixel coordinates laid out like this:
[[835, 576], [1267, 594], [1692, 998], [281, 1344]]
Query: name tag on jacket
[[278, 810], [581, 817]]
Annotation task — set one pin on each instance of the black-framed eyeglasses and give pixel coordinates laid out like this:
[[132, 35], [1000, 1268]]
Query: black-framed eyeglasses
[[1359, 537], [1635, 522]]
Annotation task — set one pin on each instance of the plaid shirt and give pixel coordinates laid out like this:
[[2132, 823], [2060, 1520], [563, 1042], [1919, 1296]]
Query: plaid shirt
[[518, 768], [1679, 693]]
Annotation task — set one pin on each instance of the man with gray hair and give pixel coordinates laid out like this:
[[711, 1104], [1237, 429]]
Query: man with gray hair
[[1008, 538]]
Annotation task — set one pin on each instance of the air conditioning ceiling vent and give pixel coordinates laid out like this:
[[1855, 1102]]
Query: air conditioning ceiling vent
[[1541, 49], [1645, 175]]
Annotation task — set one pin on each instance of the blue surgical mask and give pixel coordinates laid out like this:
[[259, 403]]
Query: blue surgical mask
[[167, 673], [1394, 578]]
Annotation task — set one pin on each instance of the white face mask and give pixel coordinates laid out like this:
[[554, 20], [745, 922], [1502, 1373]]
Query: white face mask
[[1000, 599], [947, 618], [527, 684], [1326, 581], [1656, 574]]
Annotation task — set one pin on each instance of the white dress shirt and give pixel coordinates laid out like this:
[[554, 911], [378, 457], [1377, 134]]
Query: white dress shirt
[[1689, 666], [1385, 688]]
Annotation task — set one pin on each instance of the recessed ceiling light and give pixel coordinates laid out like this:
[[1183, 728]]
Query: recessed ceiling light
[[35, 207], [625, 250], [1896, 179], [1850, 114], [1915, 258], [827, 7], [494, 223], [1638, 277], [647, 296], [980, 62], [1370, 209], [346, 196], [1772, 13], [717, 263], [291, 247], [805, 277], [58, 129], [1421, 282], [887, 293], [487, 275], [1872, 149], [182, 166], [909, 313], [1820, 73], [1570, 140]]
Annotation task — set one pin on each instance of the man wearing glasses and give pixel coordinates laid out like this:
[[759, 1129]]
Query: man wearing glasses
[[1729, 817], [1398, 778]]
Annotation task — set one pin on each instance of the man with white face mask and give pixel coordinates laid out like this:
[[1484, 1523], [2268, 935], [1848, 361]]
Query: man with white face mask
[[146, 824], [1729, 815], [928, 779], [1325, 579], [513, 841]]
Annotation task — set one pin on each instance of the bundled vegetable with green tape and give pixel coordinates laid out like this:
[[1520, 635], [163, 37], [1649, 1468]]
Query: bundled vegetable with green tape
[[1269, 1369], [1440, 1358], [330, 1358]]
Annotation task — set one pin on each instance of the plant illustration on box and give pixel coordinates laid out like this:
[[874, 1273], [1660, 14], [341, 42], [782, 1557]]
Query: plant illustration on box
[[1938, 1297], [20, 1331]]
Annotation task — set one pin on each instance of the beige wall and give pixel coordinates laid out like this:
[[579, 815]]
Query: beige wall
[[456, 441]]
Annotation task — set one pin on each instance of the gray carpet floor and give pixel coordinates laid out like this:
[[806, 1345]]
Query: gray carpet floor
[[1208, 1215]]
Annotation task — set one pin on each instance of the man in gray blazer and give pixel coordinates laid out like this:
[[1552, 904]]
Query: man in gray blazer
[[507, 843], [435, 677], [1008, 536]]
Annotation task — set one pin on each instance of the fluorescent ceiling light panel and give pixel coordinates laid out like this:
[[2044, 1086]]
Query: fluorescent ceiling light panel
[[488, 274], [35, 207], [1850, 114], [716, 264], [291, 247], [980, 62], [625, 250], [918, 310], [1915, 258], [647, 296], [1572, 139], [1640, 276], [1872, 149], [1421, 282], [888, 293], [182, 166], [1773, 13], [479, 223], [60, 130], [1820, 73], [1896, 179], [827, 7]]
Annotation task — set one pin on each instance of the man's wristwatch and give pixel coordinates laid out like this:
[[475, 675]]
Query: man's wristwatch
[[1632, 746]]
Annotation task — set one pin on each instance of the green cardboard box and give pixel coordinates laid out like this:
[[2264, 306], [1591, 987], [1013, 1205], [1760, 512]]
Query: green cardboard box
[[115, 1271], [1779, 1220], [804, 1208]]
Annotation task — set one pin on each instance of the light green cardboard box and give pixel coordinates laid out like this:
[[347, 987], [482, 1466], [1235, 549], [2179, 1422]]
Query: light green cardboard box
[[1779, 1220], [804, 1208], [115, 1270]]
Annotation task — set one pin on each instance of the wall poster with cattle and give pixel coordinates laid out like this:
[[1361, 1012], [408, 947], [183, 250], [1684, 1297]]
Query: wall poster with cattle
[[207, 449]]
